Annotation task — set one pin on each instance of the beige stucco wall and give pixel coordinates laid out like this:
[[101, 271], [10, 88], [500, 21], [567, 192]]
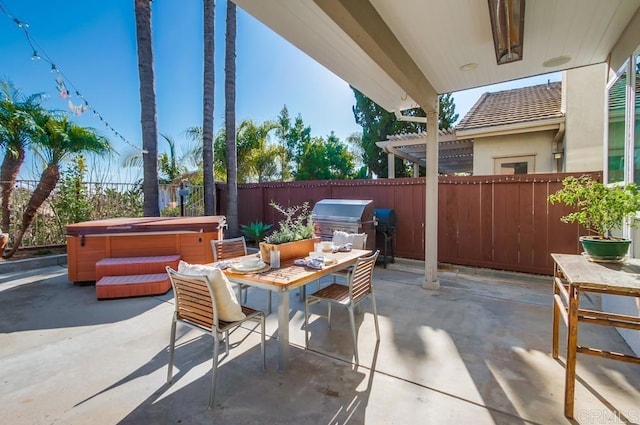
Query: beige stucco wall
[[584, 91], [486, 149]]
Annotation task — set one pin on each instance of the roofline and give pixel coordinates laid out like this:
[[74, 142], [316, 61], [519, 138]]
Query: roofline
[[505, 129]]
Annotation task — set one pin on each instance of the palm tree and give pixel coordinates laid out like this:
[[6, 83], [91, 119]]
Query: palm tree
[[251, 141], [265, 162], [150, 207], [17, 127], [252, 147], [230, 120], [59, 141], [207, 110], [170, 165]]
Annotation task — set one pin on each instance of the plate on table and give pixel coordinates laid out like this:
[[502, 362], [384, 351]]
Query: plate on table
[[239, 267]]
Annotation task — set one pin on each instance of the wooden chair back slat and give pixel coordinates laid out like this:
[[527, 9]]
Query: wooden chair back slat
[[228, 248], [194, 299], [361, 277]]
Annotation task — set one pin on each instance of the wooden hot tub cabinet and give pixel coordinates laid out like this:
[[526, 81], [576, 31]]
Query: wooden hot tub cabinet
[[90, 241]]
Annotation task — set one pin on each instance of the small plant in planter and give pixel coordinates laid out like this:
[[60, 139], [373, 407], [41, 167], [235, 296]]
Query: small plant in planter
[[600, 209], [297, 224], [294, 237], [255, 232]]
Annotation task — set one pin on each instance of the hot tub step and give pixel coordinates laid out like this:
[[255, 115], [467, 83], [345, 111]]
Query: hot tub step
[[132, 285], [135, 265]]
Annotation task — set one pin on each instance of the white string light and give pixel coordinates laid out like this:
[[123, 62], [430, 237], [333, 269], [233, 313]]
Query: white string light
[[62, 80]]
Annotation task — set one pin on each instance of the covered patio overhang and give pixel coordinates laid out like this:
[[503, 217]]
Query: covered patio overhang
[[404, 54]]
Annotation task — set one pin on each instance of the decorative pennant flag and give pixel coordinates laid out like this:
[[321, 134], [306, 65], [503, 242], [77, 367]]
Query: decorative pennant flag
[[77, 109], [62, 88]]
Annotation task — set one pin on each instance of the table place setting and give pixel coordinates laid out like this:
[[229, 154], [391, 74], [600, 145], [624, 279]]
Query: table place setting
[[321, 257], [252, 264]]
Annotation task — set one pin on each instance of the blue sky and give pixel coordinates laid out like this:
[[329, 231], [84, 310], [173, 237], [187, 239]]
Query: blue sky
[[93, 45]]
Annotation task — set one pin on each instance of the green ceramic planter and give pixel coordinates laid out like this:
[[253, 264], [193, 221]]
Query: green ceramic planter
[[605, 249]]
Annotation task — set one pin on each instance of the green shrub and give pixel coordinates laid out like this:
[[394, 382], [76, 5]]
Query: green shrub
[[297, 224], [255, 231]]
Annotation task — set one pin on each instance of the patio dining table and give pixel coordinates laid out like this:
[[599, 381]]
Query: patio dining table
[[287, 278]]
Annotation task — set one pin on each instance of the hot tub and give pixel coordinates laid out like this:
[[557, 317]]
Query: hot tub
[[90, 241]]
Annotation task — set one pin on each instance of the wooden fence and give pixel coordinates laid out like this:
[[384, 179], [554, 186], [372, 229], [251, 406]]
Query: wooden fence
[[498, 222]]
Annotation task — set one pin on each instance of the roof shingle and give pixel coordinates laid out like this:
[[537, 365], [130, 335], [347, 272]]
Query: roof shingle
[[514, 106]]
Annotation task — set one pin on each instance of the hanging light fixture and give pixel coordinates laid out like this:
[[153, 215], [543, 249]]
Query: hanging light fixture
[[507, 27]]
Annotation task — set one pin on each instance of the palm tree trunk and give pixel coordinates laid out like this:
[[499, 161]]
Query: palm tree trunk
[[8, 175], [150, 207], [207, 110], [48, 180], [230, 120]]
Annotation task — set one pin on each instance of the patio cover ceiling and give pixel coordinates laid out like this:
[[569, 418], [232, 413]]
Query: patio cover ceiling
[[399, 53]]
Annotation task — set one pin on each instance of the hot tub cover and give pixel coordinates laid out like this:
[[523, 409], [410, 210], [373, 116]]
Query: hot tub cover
[[147, 224]]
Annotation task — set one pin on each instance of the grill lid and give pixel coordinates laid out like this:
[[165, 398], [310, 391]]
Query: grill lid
[[386, 218], [343, 209]]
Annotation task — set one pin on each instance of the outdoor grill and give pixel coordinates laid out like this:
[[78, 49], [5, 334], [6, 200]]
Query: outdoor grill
[[348, 215], [386, 232]]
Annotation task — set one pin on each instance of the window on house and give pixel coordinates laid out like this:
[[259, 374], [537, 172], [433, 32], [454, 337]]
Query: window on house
[[514, 165], [617, 100], [623, 141], [636, 142]]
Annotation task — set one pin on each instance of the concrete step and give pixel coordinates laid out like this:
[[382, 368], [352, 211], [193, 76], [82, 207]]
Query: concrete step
[[135, 265], [137, 285]]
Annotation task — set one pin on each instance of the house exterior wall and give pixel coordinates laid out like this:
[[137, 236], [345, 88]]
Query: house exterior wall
[[583, 101], [539, 144]]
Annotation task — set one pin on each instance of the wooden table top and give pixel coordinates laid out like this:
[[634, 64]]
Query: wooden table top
[[290, 276], [623, 278]]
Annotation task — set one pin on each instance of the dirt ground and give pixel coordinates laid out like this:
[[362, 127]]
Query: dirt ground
[[37, 252]]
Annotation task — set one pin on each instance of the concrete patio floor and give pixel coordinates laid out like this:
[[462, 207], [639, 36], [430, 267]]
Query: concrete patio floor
[[476, 351]]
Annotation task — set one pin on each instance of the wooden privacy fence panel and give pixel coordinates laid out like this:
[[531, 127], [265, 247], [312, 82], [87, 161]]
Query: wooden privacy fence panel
[[503, 222], [499, 222]]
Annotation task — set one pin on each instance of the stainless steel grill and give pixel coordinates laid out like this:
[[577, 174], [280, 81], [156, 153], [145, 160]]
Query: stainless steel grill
[[348, 215]]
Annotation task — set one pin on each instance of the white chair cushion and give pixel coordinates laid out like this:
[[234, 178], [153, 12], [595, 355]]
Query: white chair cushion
[[229, 309], [357, 240]]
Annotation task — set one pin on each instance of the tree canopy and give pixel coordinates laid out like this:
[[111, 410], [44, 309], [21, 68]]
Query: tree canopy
[[377, 124], [283, 150]]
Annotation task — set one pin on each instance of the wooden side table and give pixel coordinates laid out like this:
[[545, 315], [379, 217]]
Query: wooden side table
[[574, 274]]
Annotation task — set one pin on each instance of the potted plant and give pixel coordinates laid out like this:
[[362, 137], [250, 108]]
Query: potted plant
[[600, 208], [255, 232], [294, 237]]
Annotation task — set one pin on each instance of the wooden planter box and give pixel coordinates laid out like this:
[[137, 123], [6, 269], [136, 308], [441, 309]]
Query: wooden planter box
[[289, 250], [90, 241]]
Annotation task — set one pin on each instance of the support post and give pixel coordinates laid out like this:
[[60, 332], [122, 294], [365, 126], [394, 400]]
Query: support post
[[391, 166], [431, 207]]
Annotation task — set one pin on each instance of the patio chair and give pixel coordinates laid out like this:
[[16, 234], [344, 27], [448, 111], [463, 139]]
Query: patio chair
[[229, 248], [196, 305], [357, 241], [359, 286]]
